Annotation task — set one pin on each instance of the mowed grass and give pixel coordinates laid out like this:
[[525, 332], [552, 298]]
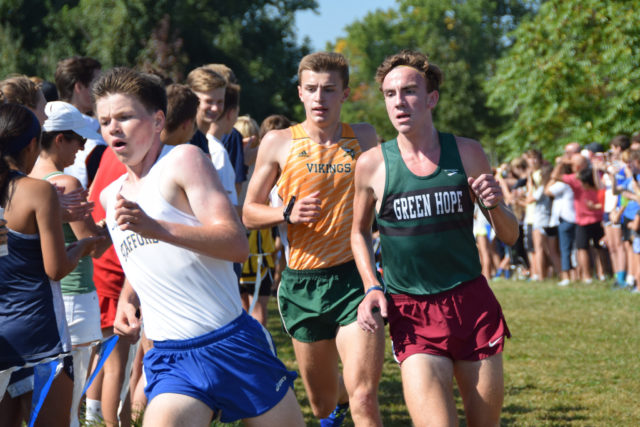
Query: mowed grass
[[573, 359]]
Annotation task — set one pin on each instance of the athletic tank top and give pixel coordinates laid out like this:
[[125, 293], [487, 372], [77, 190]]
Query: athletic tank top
[[329, 169], [80, 280], [426, 224], [29, 324], [183, 294]]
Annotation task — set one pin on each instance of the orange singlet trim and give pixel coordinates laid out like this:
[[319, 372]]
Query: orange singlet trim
[[330, 170]]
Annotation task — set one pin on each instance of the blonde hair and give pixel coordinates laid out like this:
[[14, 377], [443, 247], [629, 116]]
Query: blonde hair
[[246, 126], [203, 79]]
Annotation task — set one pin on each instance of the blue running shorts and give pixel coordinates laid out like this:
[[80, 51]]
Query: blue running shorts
[[234, 370]]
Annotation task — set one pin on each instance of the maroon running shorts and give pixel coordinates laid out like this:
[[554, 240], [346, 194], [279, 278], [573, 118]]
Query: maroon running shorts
[[464, 323]]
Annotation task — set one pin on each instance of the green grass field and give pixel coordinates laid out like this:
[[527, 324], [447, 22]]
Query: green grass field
[[573, 359]]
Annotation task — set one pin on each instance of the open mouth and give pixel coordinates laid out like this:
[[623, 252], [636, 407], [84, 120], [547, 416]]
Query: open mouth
[[403, 116], [119, 144]]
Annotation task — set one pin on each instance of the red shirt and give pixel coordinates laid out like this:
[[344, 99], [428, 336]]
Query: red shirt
[[584, 215], [107, 271]]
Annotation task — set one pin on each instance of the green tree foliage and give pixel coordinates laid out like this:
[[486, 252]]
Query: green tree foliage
[[573, 74], [254, 37], [463, 38]]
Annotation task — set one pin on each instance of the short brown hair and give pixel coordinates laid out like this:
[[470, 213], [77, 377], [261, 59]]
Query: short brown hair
[[621, 141], [19, 89], [231, 97], [325, 61], [77, 69], [413, 59], [182, 105], [274, 121], [146, 88], [203, 79]]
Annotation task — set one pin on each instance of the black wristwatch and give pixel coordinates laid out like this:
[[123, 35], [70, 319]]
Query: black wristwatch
[[287, 211]]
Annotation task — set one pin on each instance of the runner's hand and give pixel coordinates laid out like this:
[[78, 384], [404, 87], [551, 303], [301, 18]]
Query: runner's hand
[[126, 323], [486, 189], [130, 216], [372, 306], [306, 209]]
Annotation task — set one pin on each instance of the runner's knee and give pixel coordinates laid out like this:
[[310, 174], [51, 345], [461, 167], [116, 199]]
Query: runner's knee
[[363, 399]]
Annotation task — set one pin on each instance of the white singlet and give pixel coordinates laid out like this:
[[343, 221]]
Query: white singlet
[[183, 294]]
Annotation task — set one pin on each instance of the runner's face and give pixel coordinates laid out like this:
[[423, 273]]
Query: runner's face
[[128, 127], [210, 107], [408, 103], [322, 94]]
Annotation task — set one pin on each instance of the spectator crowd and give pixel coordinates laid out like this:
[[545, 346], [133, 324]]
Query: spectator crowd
[[578, 216]]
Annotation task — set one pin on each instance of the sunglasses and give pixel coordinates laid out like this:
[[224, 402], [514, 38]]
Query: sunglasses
[[71, 135]]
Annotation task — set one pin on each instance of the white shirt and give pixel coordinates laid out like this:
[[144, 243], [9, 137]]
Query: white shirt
[[562, 203], [221, 162], [183, 294], [542, 210]]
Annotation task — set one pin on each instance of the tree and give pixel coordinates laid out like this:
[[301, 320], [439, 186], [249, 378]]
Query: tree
[[463, 38], [572, 75], [254, 37]]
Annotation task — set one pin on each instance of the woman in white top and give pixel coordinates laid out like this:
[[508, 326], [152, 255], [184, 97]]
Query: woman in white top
[[545, 241], [563, 210]]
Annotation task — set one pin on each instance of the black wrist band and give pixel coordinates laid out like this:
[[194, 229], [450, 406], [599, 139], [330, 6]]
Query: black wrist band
[[287, 211]]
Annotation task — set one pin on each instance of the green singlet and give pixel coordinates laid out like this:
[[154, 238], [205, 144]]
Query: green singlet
[[426, 224]]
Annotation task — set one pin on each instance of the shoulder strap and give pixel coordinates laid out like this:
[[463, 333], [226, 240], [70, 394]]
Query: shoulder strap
[[449, 154], [298, 132], [52, 174]]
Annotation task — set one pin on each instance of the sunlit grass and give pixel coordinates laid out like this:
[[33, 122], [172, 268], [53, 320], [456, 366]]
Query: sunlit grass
[[573, 359]]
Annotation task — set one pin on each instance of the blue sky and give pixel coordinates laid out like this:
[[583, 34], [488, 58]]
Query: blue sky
[[333, 16]]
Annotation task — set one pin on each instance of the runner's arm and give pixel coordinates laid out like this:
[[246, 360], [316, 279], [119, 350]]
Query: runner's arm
[[361, 240], [256, 212], [487, 191], [127, 320], [220, 235]]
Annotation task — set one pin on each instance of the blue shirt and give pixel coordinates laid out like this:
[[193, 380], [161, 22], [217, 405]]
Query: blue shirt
[[232, 142], [632, 206], [200, 140]]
